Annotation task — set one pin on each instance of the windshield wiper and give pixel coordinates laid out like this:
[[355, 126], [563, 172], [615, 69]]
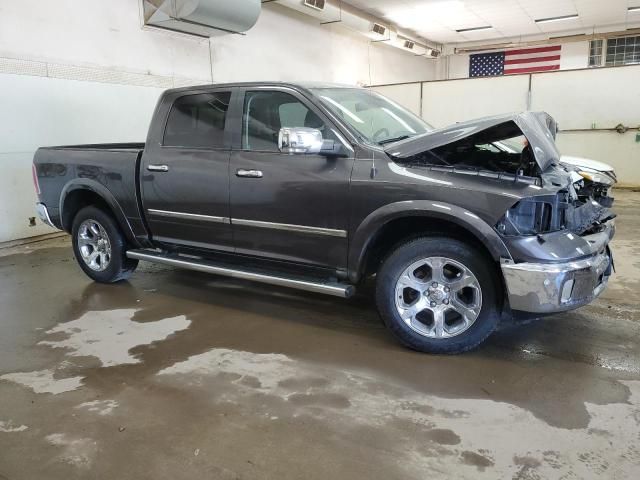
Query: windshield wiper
[[395, 139]]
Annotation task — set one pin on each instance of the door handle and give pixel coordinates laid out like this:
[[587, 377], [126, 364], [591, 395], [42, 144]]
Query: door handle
[[241, 172], [157, 168]]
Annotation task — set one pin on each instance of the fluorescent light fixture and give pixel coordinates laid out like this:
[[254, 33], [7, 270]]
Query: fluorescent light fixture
[[634, 9], [556, 19], [475, 29]]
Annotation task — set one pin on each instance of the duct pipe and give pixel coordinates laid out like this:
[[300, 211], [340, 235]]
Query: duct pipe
[[353, 19]]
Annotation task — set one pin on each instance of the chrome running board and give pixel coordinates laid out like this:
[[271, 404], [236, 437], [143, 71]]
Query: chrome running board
[[201, 265]]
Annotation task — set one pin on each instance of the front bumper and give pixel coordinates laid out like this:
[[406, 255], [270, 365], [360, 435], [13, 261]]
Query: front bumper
[[557, 287], [43, 214]]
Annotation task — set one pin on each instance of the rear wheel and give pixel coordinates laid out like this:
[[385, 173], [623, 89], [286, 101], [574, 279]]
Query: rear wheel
[[438, 295], [100, 247]]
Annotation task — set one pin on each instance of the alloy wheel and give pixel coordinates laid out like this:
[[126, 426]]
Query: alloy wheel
[[438, 297], [94, 245]]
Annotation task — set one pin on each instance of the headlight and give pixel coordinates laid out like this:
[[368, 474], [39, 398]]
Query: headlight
[[531, 216], [596, 178]]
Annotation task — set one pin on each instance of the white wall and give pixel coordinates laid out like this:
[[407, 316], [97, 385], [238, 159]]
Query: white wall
[[87, 71], [98, 33], [83, 66], [58, 112], [620, 150], [573, 55], [457, 67], [406, 94], [288, 45], [447, 102], [594, 98]]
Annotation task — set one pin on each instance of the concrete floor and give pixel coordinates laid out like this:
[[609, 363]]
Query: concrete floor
[[183, 375]]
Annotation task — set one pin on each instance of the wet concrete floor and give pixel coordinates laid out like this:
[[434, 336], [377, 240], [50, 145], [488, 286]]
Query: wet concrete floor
[[182, 375]]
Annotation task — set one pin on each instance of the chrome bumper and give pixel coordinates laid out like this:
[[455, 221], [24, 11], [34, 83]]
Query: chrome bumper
[[548, 288], [43, 214]]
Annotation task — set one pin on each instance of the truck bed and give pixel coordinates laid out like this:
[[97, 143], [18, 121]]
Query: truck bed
[[108, 169]]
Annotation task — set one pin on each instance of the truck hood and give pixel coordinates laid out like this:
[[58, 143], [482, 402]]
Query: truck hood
[[538, 127]]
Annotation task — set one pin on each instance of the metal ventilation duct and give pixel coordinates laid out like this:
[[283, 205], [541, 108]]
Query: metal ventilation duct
[[336, 12], [206, 18]]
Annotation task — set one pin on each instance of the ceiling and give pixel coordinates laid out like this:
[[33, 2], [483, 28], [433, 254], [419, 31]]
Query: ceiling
[[439, 20]]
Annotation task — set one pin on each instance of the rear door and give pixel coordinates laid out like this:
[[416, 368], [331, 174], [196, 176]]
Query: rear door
[[185, 177], [288, 207]]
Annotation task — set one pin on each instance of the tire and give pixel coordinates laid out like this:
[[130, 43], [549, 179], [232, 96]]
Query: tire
[[100, 246], [454, 314]]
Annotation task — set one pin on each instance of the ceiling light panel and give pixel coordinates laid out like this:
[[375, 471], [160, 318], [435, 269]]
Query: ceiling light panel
[[438, 20], [477, 35], [560, 18], [560, 26], [474, 29], [507, 18], [537, 9]]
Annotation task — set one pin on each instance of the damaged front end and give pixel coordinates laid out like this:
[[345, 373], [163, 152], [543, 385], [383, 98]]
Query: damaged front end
[[564, 210], [557, 231], [559, 245], [589, 182]]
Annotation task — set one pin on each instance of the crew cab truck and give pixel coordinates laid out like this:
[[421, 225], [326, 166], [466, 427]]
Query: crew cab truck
[[321, 186]]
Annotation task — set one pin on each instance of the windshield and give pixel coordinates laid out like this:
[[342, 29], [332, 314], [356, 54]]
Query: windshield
[[374, 117], [511, 145]]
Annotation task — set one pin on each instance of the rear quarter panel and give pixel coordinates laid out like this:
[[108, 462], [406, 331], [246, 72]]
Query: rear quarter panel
[[111, 173]]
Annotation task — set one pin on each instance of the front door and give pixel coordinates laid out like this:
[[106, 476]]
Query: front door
[[288, 207], [185, 178]]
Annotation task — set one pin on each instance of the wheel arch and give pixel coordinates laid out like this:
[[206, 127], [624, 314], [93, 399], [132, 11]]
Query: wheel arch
[[80, 193], [397, 222]]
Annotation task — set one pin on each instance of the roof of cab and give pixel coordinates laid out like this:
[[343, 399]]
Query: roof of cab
[[298, 85]]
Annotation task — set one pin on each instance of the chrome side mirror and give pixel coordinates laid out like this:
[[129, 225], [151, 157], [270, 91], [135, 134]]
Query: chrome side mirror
[[300, 140]]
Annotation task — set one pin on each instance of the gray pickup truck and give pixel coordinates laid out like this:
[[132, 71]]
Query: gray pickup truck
[[321, 187]]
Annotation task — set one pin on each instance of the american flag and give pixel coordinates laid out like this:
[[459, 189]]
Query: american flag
[[522, 60]]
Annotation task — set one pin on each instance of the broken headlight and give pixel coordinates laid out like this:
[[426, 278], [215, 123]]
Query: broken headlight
[[535, 215], [597, 177]]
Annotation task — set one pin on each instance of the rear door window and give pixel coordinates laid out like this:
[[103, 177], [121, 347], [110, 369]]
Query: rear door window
[[198, 121]]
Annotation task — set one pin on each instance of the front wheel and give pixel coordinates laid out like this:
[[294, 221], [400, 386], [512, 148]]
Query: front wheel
[[438, 295], [100, 247]]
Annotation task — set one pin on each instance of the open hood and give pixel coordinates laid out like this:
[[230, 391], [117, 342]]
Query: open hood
[[538, 127]]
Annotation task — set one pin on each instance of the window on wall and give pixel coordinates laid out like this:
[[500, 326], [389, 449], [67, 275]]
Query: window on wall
[[623, 51], [595, 53]]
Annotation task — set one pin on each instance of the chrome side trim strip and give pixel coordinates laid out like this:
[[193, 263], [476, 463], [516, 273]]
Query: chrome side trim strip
[[188, 216], [291, 228], [249, 223], [335, 289]]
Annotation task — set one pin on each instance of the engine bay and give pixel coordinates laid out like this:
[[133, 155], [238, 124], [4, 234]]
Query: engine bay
[[518, 148], [500, 149]]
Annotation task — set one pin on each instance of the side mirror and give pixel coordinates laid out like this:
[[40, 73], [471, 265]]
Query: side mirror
[[300, 140], [303, 140]]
